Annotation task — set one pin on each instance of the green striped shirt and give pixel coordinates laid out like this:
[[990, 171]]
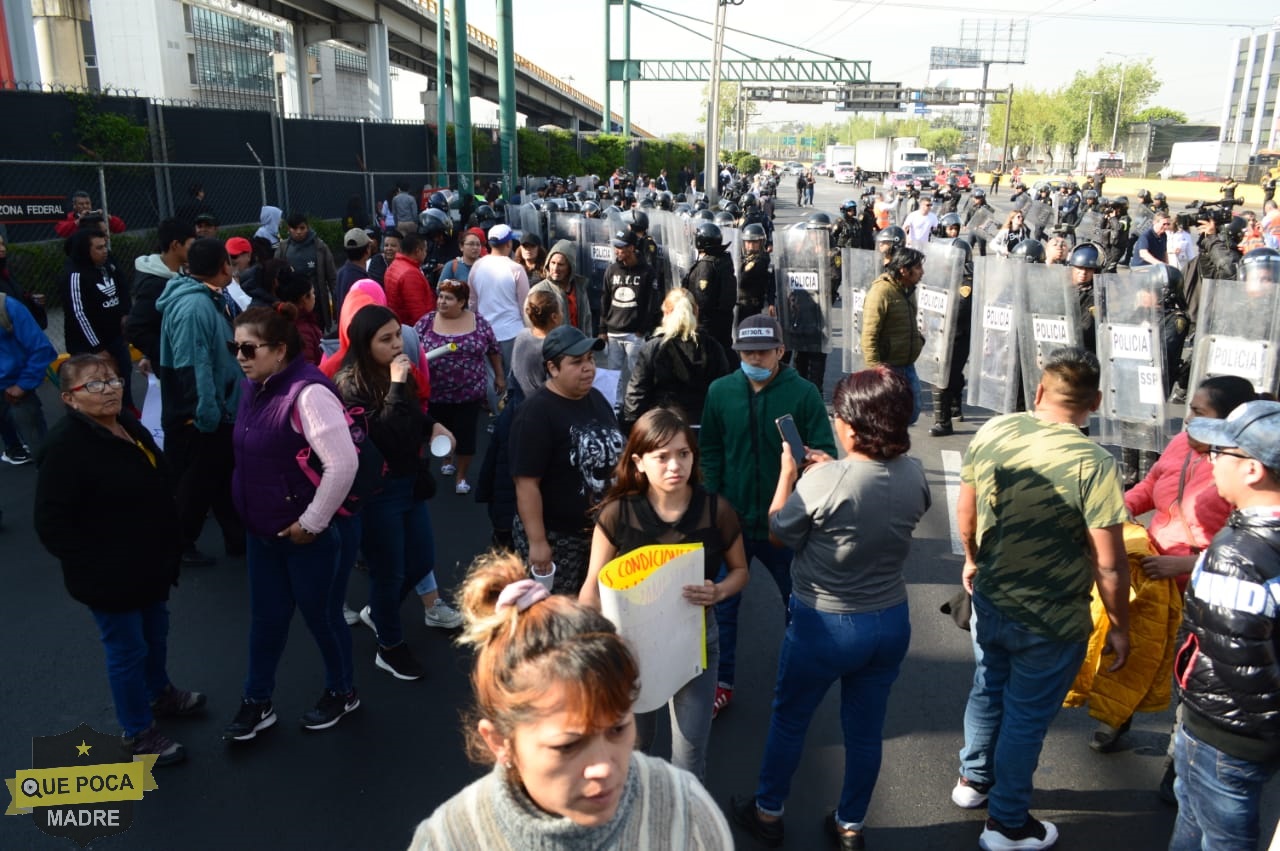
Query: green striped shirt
[[1041, 487]]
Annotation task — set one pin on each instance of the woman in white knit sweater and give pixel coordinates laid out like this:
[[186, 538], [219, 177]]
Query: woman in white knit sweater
[[554, 685]]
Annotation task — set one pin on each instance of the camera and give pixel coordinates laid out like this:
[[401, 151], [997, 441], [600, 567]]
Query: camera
[[1218, 211]]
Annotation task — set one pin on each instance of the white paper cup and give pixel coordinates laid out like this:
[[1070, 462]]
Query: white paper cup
[[545, 579], [440, 446]]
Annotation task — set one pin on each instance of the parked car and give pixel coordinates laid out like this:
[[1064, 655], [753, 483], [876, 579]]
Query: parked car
[[1202, 176], [844, 173], [822, 169], [963, 179], [793, 167], [901, 180]]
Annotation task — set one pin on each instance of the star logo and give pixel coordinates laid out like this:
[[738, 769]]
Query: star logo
[[82, 749]]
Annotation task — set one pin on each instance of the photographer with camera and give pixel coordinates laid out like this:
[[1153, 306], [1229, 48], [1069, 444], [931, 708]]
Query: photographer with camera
[[1217, 258], [81, 206]]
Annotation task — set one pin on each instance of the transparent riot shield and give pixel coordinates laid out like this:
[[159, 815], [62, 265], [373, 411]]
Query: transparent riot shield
[[936, 305], [1133, 412], [561, 225], [803, 275], [667, 233], [980, 218], [1238, 330], [993, 373], [1089, 228], [1040, 216], [903, 209], [1049, 318], [1139, 220], [595, 255], [858, 268], [731, 238], [527, 218]]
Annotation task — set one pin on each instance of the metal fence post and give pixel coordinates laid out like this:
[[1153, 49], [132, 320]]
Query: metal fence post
[[164, 188], [102, 193]]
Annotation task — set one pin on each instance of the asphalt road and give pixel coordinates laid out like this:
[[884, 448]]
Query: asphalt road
[[367, 782]]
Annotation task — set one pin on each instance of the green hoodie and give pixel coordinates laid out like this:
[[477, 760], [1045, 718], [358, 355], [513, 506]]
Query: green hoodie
[[199, 379], [741, 446], [577, 284]]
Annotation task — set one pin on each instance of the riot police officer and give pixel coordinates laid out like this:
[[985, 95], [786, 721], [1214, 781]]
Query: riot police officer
[[949, 227], [848, 230], [1145, 200], [713, 284], [754, 214], [1028, 251], [868, 219], [821, 220], [1160, 203], [978, 201], [1085, 261], [1019, 198], [1069, 205], [437, 228], [947, 400], [638, 221], [890, 240], [1121, 206], [757, 290]]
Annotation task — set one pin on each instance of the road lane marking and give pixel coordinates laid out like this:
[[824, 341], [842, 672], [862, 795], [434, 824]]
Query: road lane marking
[[951, 477]]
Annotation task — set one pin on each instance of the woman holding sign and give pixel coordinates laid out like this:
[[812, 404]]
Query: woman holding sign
[[850, 523], [658, 498]]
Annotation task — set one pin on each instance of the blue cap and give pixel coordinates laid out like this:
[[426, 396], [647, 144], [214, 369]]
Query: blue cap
[[1253, 427]]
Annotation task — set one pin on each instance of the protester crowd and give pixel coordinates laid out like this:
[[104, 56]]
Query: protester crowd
[[652, 371]]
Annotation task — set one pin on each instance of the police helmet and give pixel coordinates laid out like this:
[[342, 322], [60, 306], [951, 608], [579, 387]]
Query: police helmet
[[1144, 195], [1091, 195], [700, 204], [725, 219], [1160, 196], [708, 237], [1043, 189], [684, 209], [893, 234], [433, 222], [1121, 201], [754, 233], [590, 208], [665, 201], [705, 215], [611, 210], [1028, 251], [438, 201], [484, 217], [1260, 258], [647, 203], [979, 193], [748, 201], [681, 199], [963, 244], [953, 182], [730, 208], [817, 217], [849, 206], [949, 219], [638, 219], [1086, 255]]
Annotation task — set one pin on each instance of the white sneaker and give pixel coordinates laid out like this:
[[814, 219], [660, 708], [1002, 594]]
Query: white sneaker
[[968, 794], [366, 615], [462, 487], [447, 469], [1035, 835], [442, 616], [350, 615]]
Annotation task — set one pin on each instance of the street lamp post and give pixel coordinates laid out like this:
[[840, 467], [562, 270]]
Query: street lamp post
[[1124, 70], [1088, 135]]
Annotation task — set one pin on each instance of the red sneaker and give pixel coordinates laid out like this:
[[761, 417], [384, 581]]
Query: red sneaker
[[724, 696]]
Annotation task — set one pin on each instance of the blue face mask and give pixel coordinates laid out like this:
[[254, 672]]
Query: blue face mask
[[756, 373]]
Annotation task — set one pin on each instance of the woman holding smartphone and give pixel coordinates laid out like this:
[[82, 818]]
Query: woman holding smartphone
[[658, 498]]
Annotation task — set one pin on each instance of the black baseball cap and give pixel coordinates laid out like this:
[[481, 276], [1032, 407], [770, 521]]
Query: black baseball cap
[[623, 238], [758, 333], [567, 340]]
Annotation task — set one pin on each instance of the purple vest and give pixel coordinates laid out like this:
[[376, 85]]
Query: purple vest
[[268, 486]]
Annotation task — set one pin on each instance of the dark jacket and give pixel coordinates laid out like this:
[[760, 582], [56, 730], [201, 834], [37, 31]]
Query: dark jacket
[[673, 372], [1228, 652], [142, 328], [495, 485], [95, 302], [92, 488], [199, 379], [398, 427], [715, 290]]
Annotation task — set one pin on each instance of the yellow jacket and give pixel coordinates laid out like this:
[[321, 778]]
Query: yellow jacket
[[1145, 682]]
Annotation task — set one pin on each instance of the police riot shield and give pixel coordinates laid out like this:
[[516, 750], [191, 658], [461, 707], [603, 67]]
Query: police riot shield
[[803, 276], [731, 238], [903, 208], [1089, 228], [1040, 216], [1134, 365], [937, 300], [526, 218], [1139, 220], [983, 223], [858, 268], [668, 231], [561, 224], [1049, 317], [595, 247], [993, 372], [1238, 330]]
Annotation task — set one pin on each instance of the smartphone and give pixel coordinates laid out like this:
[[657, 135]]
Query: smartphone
[[791, 436]]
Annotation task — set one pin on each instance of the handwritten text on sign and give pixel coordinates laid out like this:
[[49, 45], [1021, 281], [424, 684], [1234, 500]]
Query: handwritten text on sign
[[857, 298], [807, 281], [934, 301], [1131, 342], [1051, 329], [1236, 356], [997, 318]]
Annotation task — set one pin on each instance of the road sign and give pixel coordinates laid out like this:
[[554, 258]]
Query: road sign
[[788, 140], [808, 141]]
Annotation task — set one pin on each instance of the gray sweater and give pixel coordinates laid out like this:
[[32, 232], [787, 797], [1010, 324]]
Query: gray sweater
[[662, 807], [850, 523]]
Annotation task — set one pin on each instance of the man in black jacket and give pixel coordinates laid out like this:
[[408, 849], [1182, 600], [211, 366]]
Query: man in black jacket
[[1228, 744], [142, 328]]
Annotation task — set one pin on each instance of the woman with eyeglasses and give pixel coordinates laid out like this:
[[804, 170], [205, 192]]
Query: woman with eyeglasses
[[286, 406], [99, 471], [459, 268]]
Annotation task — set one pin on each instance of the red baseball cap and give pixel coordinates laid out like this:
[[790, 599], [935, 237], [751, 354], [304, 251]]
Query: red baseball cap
[[238, 245]]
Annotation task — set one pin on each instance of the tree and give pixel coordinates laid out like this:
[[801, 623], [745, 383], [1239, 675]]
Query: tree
[[942, 142], [1139, 83], [728, 105], [1160, 115], [1037, 120]]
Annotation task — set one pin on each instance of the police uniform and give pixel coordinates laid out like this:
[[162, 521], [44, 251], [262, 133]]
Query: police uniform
[[756, 287], [715, 290]]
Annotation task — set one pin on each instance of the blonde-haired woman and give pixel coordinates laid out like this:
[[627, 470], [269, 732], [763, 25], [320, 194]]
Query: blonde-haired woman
[[675, 367]]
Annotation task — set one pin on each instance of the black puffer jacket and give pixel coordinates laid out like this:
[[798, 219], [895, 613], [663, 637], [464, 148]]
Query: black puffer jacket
[[1228, 659], [673, 372]]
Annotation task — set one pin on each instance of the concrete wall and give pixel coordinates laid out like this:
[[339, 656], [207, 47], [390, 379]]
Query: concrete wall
[[143, 45]]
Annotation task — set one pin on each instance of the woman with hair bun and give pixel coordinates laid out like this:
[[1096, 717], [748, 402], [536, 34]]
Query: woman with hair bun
[[554, 685], [528, 372], [850, 523], [298, 304]]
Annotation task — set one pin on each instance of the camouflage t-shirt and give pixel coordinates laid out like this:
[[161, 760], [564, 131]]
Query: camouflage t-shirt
[[1041, 487]]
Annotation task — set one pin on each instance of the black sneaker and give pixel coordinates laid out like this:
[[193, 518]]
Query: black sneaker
[[1033, 835], [149, 741], [746, 816], [249, 721], [399, 662], [329, 710], [174, 702], [841, 838], [16, 456]]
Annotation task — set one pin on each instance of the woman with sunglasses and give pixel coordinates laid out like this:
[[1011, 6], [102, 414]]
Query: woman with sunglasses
[[100, 469], [287, 406]]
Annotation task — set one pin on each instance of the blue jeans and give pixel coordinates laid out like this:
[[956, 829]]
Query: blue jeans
[[399, 549], [284, 576], [137, 645], [778, 561], [864, 652], [909, 372], [690, 709], [23, 422], [1218, 796], [1018, 687]]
